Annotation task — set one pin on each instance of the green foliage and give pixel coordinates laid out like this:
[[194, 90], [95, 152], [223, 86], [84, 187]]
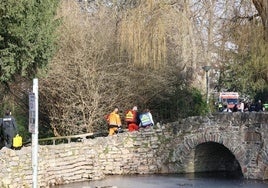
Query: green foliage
[[26, 36], [22, 124], [246, 66], [262, 95], [248, 74], [27, 43], [190, 103], [182, 103]]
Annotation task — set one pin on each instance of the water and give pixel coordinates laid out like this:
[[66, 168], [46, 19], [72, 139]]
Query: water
[[171, 181]]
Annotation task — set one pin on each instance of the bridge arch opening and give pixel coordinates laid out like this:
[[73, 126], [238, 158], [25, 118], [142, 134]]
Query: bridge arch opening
[[215, 157]]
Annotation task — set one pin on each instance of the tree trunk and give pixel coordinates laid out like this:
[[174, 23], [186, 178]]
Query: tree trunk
[[262, 8]]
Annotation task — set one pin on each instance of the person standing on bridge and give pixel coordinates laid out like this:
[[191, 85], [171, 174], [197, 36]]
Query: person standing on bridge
[[114, 122], [242, 106], [146, 119], [9, 129], [259, 106], [132, 119]]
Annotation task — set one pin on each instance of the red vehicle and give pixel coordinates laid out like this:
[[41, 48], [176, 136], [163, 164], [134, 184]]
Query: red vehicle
[[229, 98]]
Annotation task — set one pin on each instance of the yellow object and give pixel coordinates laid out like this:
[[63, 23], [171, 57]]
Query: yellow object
[[17, 141]]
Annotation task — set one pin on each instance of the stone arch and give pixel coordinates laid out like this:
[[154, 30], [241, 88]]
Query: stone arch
[[212, 157], [186, 150]]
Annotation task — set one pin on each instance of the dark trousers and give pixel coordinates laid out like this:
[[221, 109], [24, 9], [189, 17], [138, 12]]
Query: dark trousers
[[8, 138]]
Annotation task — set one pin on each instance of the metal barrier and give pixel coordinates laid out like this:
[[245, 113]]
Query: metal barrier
[[68, 139], [71, 138]]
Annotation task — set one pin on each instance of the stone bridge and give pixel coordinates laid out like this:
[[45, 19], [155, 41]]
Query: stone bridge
[[233, 142]]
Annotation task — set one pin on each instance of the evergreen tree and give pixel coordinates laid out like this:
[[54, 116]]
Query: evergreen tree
[[27, 37]]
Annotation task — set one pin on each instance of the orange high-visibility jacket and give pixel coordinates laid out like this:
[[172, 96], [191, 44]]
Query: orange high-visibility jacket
[[114, 119]]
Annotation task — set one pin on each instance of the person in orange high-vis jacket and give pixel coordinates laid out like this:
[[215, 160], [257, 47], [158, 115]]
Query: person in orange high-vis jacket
[[114, 122]]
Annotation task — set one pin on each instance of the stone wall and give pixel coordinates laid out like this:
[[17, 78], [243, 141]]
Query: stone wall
[[172, 148], [125, 153]]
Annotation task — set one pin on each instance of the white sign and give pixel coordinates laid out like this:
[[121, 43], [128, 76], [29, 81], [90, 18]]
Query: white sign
[[31, 112]]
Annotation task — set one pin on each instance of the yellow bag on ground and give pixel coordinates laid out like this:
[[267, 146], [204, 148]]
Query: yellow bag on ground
[[17, 141]]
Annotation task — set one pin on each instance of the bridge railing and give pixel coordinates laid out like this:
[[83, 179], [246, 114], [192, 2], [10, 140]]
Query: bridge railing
[[68, 139]]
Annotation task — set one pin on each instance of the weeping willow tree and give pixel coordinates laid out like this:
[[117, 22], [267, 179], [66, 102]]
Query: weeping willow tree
[[246, 66], [158, 34]]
